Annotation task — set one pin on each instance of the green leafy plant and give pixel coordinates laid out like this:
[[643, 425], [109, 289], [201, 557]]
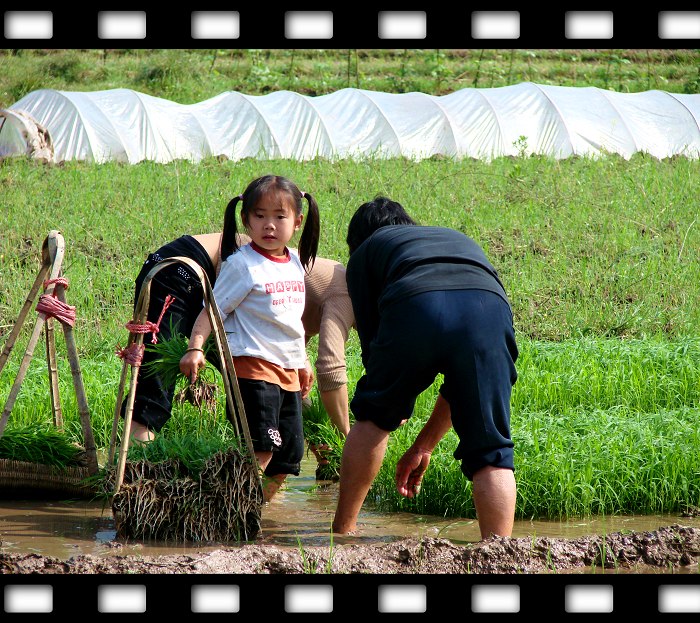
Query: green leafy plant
[[311, 566], [323, 438], [43, 444], [202, 393], [192, 450]]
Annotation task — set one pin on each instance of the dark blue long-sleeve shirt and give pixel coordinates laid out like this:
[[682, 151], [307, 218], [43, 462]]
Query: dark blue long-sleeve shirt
[[398, 261]]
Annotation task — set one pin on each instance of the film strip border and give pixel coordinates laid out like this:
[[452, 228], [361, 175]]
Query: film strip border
[[355, 595], [272, 595], [261, 26]]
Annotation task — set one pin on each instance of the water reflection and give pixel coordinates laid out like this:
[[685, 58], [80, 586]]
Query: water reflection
[[301, 514]]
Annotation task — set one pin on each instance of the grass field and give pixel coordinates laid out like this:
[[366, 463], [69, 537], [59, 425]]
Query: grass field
[[189, 76], [599, 257]]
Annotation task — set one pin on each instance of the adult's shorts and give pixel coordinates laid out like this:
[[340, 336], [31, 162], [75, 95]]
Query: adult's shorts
[[468, 337]]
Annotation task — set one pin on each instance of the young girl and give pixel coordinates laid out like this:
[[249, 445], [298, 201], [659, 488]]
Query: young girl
[[260, 295]]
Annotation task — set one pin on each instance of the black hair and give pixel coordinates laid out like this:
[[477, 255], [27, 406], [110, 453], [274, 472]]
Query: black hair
[[258, 188], [372, 215]]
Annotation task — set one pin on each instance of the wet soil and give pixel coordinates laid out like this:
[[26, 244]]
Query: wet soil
[[674, 548]]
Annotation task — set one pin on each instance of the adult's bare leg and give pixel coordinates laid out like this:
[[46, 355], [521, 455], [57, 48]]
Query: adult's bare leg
[[363, 453], [271, 484], [141, 433], [494, 493]]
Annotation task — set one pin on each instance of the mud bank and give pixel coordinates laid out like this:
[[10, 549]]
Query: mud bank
[[668, 548]]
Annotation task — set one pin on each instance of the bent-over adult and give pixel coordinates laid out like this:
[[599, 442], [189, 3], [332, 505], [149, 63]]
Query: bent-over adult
[[427, 301]]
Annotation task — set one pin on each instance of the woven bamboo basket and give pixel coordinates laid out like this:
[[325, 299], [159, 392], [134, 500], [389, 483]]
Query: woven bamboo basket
[[24, 479]]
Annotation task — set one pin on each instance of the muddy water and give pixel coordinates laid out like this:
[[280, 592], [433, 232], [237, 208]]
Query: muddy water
[[301, 513]]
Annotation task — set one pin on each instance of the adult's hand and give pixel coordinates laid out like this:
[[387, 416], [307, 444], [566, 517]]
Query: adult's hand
[[410, 471]]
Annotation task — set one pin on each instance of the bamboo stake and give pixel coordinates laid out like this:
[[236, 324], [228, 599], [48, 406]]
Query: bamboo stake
[[53, 374], [9, 345], [72, 351], [117, 409], [41, 320], [53, 251], [140, 316], [56, 251]]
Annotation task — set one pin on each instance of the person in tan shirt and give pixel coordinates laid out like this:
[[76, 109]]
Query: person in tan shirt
[[328, 314]]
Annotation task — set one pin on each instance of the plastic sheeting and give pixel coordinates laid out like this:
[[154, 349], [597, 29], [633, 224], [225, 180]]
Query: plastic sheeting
[[522, 119]]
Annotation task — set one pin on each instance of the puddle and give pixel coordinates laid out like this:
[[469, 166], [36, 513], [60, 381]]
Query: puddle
[[300, 513]]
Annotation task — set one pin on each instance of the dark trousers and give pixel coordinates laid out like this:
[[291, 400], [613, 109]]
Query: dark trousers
[[468, 337]]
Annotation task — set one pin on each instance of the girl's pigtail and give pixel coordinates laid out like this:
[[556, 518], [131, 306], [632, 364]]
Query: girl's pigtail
[[308, 244], [229, 237]]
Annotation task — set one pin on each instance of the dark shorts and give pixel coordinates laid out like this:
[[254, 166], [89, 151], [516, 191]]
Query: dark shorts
[[275, 424], [468, 337]]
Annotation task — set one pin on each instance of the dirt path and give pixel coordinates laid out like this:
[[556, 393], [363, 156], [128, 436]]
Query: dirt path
[[667, 548]]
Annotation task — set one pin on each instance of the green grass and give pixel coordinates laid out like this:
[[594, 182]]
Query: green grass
[[585, 247], [192, 451], [190, 76], [600, 426], [40, 443], [599, 258]]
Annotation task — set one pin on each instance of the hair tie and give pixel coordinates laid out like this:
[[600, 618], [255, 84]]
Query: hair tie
[[240, 197], [303, 195]]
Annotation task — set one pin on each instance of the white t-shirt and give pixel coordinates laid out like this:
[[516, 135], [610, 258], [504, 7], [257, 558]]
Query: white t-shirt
[[261, 301]]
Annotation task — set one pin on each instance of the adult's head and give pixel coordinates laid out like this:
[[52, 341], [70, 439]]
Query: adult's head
[[372, 215], [272, 189]]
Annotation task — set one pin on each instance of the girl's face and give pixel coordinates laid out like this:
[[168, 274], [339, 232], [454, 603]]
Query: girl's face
[[273, 222]]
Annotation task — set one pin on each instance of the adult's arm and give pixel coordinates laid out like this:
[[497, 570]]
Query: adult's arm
[[413, 464], [337, 318], [335, 402], [306, 378]]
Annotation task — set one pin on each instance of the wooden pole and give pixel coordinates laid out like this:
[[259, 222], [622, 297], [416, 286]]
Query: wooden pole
[[117, 409], [53, 251], [53, 374], [31, 297], [56, 247], [56, 252], [72, 351], [55, 263], [140, 317]]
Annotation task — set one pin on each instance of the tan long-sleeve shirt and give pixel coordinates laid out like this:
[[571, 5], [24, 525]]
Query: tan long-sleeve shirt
[[328, 314]]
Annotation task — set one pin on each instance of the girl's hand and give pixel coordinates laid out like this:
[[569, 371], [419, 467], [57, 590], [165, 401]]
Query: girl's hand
[[306, 379], [191, 363]]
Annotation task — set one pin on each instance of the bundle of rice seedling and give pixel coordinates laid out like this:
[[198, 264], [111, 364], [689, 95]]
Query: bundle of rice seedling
[[324, 439], [42, 461], [44, 444], [191, 493], [201, 393]]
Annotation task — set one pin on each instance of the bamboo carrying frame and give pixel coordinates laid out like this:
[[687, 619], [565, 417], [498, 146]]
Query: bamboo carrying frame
[[18, 474], [237, 419]]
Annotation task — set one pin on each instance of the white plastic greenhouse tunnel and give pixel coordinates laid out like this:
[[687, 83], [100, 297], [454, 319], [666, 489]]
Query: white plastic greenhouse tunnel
[[482, 123]]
